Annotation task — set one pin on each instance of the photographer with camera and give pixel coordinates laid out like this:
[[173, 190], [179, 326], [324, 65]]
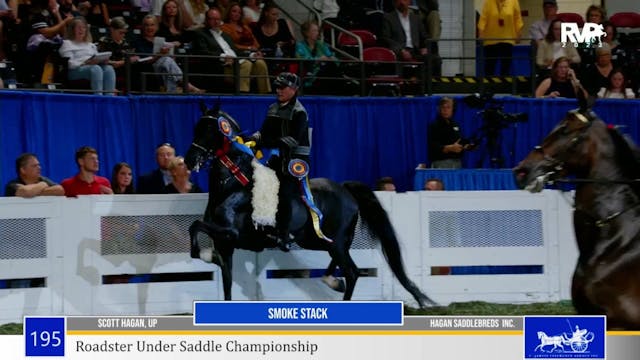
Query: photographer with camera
[[446, 145]]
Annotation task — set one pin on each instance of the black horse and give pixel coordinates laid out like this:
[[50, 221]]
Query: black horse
[[228, 222], [606, 215]]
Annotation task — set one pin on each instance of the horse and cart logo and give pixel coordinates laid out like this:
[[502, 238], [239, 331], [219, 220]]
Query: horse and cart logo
[[564, 337], [578, 342]]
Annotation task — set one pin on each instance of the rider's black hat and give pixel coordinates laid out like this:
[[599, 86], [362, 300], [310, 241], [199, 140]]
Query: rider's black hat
[[287, 79]]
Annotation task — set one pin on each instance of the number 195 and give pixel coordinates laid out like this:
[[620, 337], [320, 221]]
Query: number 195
[[46, 338]]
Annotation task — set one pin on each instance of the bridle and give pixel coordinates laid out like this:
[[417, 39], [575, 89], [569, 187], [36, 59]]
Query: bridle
[[558, 165]]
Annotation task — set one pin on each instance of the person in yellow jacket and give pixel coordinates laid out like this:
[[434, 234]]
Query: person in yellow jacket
[[500, 25]]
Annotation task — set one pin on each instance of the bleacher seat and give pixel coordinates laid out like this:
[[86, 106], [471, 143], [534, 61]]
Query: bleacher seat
[[625, 20], [571, 17], [382, 74], [349, 44]]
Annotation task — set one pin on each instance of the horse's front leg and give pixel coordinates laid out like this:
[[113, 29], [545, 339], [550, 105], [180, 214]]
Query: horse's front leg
[[211, 230]]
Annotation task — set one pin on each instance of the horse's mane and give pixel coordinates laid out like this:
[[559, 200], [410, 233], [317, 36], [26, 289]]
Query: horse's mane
[[627, 156]]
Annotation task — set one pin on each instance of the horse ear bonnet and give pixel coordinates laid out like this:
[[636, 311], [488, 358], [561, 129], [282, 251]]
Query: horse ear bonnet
[[287, 79]]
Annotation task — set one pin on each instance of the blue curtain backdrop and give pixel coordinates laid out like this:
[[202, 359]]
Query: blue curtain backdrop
[[353, 138]]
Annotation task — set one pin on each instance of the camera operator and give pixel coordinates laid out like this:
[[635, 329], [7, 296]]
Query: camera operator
[[445, 142]]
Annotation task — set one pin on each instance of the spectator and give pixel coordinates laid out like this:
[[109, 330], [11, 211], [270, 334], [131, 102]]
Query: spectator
[[196, 9], [408, 46], [118, 45], [234, 26], [82, 61], [385, 184], [156, 181], [86, 182], [551, 48], [122, 179], [274, 33], [598, 72], [325, 64], [595, 14], [212, 41], [434, 184], [446, 144], [500, 24], [174, 23], [540, 28], [161, 61], [561, 83], [251, 10], [30, 182], [223, 6], [156, 8], [8, 15], [619, 56], [617, 87], [67, 7], [47, 28], [95, 11], [429, 11], [180, 183]]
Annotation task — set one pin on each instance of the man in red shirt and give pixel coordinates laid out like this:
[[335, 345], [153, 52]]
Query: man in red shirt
[[86, 182]]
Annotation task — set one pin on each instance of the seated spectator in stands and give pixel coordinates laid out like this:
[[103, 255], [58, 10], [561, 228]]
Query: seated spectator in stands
[[275, 35], [47, 28], [445, 141], [561, 83], [433, 184], [118, 45], [161, 61], [595, 14], [408, 47], [86, 182], [429, 11], [8, 16], [364, 14], [82, 62], [95, 11], [499, 20], [596, 75], [617, 88], [174, 23], [619, 56], [67, 7], [30, 182], [251, 10], [213, 41], [324, 63], [540, 28], [551, 48], [122, 179], [144, 6], [196, 9], [222, 6], [385, 184], [180, 183], [239, 32], [156, 181]]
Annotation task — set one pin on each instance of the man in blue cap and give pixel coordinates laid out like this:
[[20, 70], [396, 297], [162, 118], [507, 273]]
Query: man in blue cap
[[286, 128]]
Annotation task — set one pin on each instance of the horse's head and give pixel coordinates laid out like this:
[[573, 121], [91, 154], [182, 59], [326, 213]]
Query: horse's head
[[569, 149], [209, 135]]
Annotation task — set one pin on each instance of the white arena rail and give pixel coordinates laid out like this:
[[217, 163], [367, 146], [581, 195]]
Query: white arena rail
[[129, 254]]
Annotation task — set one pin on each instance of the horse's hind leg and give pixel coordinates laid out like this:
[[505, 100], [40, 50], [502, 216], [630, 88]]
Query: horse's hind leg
[[350, 271], [330, 280]]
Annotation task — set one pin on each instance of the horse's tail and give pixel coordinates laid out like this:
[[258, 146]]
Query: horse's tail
[[377, 222]]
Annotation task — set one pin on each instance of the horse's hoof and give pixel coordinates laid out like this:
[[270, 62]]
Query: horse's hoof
[[334, 283], [195, 251]]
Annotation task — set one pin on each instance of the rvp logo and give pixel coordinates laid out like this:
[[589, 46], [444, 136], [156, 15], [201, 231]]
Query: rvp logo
[[591, 33]]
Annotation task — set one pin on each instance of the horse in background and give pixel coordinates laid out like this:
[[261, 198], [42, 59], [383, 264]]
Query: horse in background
[[606, 214], [228, 217]]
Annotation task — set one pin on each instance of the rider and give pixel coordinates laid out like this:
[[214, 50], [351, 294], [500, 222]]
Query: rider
[[287, 129], [579, 333]]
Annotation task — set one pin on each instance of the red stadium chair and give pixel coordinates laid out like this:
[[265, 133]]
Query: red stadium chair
[[625, 19], [382, 71], [349, 44], [571, 17]]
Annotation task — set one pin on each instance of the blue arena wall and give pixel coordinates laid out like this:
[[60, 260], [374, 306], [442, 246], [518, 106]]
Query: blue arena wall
[[353, 138]]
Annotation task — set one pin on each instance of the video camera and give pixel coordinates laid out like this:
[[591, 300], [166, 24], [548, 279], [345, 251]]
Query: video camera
[[493, 113]]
